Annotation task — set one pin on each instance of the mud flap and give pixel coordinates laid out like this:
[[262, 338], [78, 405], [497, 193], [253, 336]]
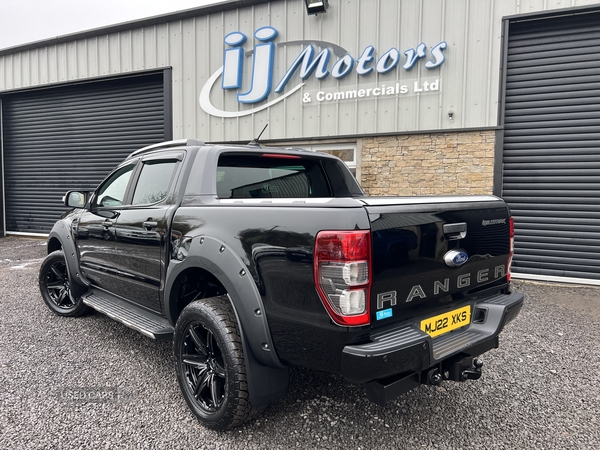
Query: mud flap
[[265, 384]]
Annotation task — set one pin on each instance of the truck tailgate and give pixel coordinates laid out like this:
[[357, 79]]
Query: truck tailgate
[[430, 254]]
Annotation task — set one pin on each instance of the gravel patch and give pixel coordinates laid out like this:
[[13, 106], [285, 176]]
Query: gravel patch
[[90, 382]]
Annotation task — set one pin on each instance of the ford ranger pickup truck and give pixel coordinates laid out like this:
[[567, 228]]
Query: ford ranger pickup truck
[[252, 260]]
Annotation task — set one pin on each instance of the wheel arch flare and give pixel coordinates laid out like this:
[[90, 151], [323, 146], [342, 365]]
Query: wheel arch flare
[[267, 375], [61, 236]]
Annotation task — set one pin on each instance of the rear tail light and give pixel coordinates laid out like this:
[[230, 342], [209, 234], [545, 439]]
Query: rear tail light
[[511, 249], [343, 275]]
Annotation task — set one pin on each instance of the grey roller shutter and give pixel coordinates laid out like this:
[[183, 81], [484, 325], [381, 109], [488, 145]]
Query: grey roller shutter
[[72, 137], [551, 150]]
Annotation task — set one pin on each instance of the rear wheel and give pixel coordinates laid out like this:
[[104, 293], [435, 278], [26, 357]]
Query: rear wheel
[[210, 363], [56, 288]]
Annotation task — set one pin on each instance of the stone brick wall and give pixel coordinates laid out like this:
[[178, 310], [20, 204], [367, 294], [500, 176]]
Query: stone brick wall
[[429, 164]]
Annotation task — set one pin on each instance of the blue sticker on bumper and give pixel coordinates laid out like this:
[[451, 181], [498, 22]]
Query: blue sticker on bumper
[[384, 314]]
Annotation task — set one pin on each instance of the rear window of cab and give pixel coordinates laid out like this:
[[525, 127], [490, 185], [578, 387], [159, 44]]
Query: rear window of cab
[[270, 176]]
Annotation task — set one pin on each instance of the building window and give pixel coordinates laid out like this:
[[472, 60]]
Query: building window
[[346, 152]]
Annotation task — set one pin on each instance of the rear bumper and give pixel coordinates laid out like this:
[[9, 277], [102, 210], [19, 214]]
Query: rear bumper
[[408, 350]]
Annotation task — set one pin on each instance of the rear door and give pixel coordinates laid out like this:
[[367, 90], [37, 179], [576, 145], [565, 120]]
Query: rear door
[[141, 230]]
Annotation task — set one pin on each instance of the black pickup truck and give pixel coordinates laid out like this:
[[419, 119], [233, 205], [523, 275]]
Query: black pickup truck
[[256, 259]]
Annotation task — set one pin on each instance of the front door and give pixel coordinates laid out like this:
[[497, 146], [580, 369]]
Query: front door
[[94, 231]]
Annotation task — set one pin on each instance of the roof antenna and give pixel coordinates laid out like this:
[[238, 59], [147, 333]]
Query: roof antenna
[[255, 141]]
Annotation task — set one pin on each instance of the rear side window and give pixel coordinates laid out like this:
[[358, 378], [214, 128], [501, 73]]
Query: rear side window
[[270, 176], [154, 181]]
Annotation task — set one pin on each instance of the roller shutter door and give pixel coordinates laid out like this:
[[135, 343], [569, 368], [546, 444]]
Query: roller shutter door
[[551, 149], [72, 137]]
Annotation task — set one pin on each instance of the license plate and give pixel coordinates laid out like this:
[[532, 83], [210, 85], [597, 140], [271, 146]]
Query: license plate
[[437, 325]]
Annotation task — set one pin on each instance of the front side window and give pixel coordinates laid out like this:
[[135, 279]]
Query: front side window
[[153, 184], [112, 192]]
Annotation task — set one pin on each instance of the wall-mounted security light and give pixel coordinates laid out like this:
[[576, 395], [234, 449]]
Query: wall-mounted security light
[[316, 6]]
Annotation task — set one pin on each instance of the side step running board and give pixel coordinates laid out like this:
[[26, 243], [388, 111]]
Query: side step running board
[[145, 322]]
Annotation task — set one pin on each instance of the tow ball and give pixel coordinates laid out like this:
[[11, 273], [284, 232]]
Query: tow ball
[[473, 372], [462, 368]]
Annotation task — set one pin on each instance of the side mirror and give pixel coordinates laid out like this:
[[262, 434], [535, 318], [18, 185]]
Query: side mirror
[[76, 199]]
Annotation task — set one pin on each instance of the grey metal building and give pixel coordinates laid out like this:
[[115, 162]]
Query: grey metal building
[[456, 97]]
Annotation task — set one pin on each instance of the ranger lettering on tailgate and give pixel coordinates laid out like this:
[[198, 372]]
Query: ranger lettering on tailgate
[[462, 281]]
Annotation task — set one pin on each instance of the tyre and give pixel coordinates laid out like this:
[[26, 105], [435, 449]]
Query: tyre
[[61, 296], [209, 360]]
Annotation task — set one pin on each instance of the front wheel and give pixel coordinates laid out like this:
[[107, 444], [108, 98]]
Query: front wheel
[[56, 287], [210, 366]]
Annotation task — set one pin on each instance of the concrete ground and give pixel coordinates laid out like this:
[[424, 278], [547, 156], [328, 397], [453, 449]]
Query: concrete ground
[[540, 389]]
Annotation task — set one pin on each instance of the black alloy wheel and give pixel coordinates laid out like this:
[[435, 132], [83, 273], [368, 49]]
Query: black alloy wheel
[[204, 367], [209, 361], [56, 287]]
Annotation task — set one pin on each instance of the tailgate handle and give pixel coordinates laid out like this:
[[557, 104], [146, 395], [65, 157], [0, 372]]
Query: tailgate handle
[[454, 231]]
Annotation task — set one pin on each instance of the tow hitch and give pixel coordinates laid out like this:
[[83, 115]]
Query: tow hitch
[[461, 368]]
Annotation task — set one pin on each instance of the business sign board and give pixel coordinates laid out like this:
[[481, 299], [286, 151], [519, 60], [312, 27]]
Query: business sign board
[[375, 71]]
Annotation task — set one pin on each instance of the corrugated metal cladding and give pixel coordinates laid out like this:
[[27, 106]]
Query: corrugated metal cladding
[[552, 145], [72, 137], [194, 47]]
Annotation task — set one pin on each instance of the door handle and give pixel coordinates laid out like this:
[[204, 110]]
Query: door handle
[[149, 224], [455, 231]]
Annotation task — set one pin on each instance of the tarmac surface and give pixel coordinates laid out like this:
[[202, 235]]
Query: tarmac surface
[[90, 382]]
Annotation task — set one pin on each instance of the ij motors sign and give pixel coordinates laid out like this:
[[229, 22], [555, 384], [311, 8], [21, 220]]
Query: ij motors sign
[[266, 89]]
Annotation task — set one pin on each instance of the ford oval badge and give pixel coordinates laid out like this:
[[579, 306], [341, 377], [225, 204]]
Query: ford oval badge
[[455, 258]]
